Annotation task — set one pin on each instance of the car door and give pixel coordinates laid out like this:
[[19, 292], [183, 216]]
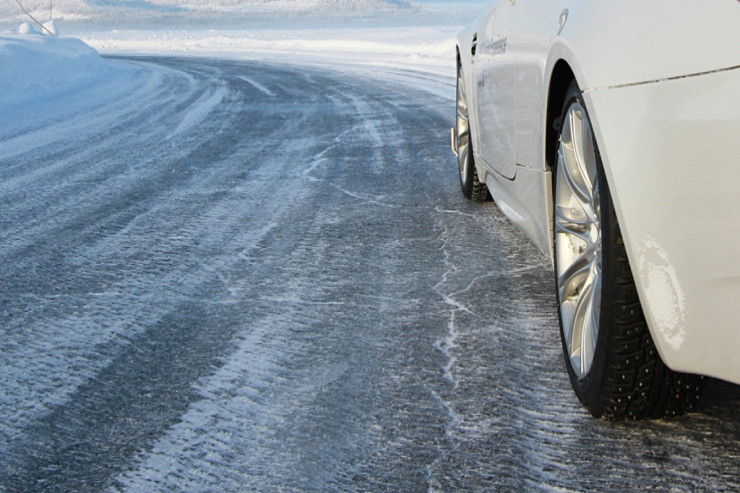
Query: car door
[[496, 88]]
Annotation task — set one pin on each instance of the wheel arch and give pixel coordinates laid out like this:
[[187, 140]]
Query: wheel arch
[[561, 77]]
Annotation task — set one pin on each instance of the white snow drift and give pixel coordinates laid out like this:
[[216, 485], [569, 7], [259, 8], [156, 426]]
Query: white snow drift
[[37, 67]]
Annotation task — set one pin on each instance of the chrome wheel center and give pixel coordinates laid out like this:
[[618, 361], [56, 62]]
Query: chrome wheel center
[[578, 239]]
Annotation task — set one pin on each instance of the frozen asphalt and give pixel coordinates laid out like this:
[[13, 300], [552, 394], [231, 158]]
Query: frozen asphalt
[[230, 276]]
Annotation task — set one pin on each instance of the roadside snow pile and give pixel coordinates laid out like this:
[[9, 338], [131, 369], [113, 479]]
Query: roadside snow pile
[[428, 49], [197, 9], [288, 5], [36, 67]]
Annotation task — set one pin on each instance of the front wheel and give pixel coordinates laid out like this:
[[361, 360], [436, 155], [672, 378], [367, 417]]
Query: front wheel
[[471, 186], [612, 361]]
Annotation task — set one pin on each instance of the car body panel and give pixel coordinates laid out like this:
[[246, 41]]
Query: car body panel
[[661, 84], [629, 42], [525, 201], [675, 189], [495, 88]]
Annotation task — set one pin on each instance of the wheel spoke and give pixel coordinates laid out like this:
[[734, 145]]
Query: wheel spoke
[[462, 106], [571, 280], [463, 148], [582, 144], [590, 327], [569, 156], [572, 222], [577, 179], [463, 160], [577, 332], [463, 130], [581, 333], [462, 101], [462, 138]]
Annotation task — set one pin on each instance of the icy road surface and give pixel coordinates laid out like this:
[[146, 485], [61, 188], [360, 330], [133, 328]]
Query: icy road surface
[[229, 276]]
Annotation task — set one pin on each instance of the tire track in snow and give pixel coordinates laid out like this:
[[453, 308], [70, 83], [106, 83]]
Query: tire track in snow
[[110, 300]]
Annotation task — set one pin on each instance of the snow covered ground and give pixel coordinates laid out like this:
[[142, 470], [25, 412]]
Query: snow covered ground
[[255, 12], [343, 34], [423, 48]]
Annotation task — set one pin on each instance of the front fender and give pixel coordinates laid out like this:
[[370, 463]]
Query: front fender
[[612, 44]]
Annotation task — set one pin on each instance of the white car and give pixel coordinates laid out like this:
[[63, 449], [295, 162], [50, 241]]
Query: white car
[[609, 132]]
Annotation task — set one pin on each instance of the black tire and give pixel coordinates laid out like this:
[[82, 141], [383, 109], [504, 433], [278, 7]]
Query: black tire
[[627, 378], [470, 184]]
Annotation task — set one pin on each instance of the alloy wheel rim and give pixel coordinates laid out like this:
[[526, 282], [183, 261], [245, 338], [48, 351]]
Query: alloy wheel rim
[[578, 239], [463, 129]]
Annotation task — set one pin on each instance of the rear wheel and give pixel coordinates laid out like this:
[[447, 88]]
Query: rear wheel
[[613, 364], [471, 186]]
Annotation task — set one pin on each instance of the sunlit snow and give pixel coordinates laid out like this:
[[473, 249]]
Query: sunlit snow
[[341, 33]]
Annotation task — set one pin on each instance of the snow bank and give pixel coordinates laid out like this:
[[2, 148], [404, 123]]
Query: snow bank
[[428, 49], [36, 67]]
